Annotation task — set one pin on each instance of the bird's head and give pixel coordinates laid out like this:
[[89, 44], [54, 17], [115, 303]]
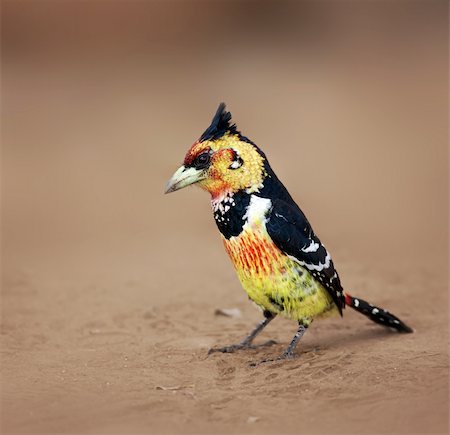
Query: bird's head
[[221, 161]]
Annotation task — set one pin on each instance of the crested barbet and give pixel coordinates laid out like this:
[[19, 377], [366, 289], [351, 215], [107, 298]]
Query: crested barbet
[[280, 262]]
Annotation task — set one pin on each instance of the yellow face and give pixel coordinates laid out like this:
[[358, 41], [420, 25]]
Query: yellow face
[[226, 164]]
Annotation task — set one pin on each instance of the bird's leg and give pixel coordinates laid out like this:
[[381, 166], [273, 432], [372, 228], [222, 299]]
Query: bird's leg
[[289, 352], [247, 341], [268, 317]]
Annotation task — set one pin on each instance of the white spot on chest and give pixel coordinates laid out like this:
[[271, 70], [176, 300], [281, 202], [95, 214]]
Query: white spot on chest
[[257, 210], [223, 203]]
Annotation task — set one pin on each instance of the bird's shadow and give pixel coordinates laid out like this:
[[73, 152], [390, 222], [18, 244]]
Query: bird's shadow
[[342, 339]]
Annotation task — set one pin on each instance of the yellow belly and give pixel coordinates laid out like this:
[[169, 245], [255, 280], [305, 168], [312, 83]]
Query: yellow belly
[[274, 281]]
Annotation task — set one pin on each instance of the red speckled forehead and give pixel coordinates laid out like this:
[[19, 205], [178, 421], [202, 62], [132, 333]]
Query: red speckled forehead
[[194, 151]]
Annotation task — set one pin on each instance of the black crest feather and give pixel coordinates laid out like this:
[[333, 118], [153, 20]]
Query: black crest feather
[[220, 124]]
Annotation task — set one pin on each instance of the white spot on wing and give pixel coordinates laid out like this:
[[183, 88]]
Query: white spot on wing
[[312, 247], [318, 267], [281, 216]]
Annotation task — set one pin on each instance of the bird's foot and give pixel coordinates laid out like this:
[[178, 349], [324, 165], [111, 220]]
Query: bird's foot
[[283, 357], [244, 345]]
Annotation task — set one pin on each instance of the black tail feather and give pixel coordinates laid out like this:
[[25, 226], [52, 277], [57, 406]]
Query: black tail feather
[[377, 314]]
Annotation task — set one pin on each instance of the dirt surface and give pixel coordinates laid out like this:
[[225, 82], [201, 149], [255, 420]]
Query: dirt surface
[[109, 288], [111, 357]]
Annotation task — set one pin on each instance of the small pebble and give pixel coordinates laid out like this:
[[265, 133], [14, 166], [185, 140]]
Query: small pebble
[[228, 312]]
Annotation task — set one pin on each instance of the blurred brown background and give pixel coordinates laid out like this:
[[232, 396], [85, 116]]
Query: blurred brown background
[[100, 101]]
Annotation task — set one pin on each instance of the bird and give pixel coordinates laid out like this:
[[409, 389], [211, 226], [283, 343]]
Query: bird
[[279, 260]]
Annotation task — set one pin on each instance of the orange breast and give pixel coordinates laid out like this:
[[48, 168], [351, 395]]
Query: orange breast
[[253, 253]]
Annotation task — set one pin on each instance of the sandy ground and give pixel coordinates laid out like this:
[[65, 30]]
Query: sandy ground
[[107, 356], [109, 288]]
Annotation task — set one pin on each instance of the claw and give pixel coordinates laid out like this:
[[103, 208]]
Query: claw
[[235, 347], [228, 349], [284, 356]]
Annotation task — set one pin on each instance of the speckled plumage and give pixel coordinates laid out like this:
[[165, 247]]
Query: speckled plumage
[[274, 281], [280, 262]]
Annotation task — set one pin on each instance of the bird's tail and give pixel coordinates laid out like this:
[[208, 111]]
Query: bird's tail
[[376, 314]]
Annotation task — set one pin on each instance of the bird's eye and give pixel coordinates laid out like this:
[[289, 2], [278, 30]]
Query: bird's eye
[[202, 160]]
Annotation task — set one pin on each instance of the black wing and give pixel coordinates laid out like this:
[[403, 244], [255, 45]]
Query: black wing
[[292, 234]]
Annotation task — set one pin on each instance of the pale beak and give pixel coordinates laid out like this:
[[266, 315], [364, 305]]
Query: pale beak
[[184, 177]]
